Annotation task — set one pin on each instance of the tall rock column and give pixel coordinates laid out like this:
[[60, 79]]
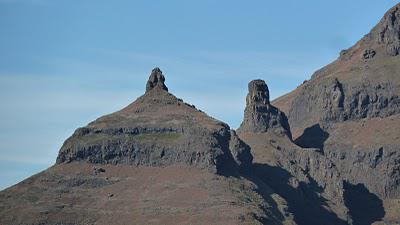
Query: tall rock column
[[260, 115], [156, 80]]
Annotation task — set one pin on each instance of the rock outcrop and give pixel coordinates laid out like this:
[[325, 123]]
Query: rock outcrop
[[157, 129], [260, 115], [298, 175], [156, 80], [388, 31], [333, 100]]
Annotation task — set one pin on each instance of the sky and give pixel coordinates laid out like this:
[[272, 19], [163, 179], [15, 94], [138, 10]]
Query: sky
[[64, 63]]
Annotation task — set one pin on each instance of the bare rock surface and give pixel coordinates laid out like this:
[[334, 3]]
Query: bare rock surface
[[156, 80], [260, 115]]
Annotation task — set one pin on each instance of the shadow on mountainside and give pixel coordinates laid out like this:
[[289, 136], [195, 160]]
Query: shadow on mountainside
[[312, 137], [364, 206], [303, 201], [264, 190]]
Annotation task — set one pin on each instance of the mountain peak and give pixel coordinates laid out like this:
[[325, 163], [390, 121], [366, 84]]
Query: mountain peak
[[156, 80], [158, 129]]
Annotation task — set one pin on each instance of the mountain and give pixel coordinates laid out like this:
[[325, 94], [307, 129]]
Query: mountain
[[157, 129], [349, 110], [325, 153], [157, 161]]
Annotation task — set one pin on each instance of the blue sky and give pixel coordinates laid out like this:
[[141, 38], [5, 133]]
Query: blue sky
[[63, 63]]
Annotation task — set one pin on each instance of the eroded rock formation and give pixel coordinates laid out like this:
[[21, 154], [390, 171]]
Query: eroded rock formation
[[157, 129], [156, 80], [260, 115]]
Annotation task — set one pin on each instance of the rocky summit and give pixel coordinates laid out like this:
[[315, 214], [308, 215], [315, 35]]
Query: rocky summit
[[157, 129], [325, 153]]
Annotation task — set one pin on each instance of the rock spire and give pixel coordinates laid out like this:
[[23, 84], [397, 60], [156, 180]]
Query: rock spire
[[156, 80], [260, 115]]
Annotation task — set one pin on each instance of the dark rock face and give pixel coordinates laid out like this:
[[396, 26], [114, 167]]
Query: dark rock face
[[156, 80], [240, 150], [368, 54], [312, 181], [377, 169], [389, 31], [260, 115], [158, 129], [333, 101], [258, 92]]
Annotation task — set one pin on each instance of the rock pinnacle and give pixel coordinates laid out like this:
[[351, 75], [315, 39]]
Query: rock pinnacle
[[260, 115], [156, 80], [258, 92]]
